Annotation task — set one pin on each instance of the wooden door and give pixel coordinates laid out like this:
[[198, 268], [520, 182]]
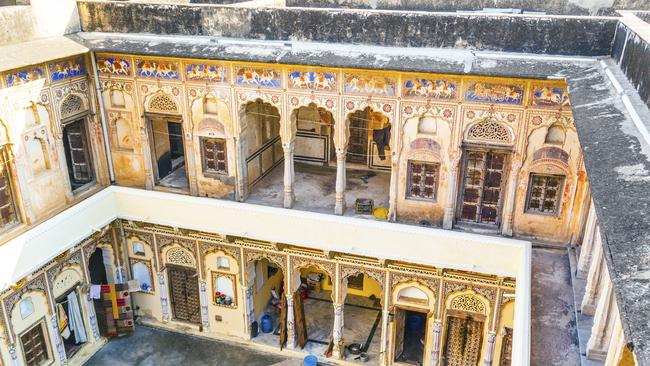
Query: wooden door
[[299, 316], [506, 349], [283, 321], [463, 342], [399, 333], [482, 186], [184, 294], [358, 142]]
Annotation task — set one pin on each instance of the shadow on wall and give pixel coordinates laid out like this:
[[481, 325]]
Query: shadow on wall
[[26, 20]]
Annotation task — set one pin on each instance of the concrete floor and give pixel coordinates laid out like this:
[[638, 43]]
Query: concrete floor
[[155, 347], [176, 179], [315, 188], [554, 338]]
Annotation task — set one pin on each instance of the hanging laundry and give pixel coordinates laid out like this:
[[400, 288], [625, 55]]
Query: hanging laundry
[[63, 321], [381, 137], [95, 291], [76, 320], [134, 285]]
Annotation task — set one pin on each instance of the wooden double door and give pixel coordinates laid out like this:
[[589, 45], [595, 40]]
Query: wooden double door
[[184, 294], [481, 193]]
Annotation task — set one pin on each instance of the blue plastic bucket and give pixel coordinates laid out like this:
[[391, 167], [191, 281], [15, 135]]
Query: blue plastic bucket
[[267, 323], [310, 360]]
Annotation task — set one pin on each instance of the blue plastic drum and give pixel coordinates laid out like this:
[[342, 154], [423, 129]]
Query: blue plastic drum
[[310, 360], [267, 323]]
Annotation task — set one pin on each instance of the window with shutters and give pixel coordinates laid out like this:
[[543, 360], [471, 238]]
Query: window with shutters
[[544, 193], [213, 156], [34, 346], [422, 180], [8, 212], [77, 153]]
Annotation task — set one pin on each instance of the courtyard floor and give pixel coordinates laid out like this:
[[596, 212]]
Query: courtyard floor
[[156, 347], [554, 338]]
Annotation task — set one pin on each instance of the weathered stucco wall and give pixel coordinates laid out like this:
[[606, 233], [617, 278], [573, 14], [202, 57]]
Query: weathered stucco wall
[[579, 7], [43, 18], [535, 34]]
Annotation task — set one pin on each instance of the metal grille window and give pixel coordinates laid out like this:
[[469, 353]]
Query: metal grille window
[[423, 180], [544, 193], [34, 346], [75, 142], [213, 155], [8, 215]]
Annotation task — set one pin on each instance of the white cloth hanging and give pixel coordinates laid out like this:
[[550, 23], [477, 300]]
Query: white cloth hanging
[[76, 321], [63, 325], [95, 291]]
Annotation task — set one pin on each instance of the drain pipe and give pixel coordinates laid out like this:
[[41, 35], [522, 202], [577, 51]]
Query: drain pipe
[[102, 115]]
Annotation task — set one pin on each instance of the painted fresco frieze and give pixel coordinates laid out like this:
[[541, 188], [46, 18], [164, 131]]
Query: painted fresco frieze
[[157, 69], [211, 72], [24, 76], [68, 68], [430, 88], [312, 80], [491, 92], [369, 84], [261, 77], [545, 95], [114, 66]]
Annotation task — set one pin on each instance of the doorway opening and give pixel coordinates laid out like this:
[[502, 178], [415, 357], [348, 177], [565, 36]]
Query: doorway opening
[[368, 161], [362, 313], [268, 310], [184, 294], [482, 190], [100, 269], [168, 152], [313, 309], [71, 324], [410, 336]]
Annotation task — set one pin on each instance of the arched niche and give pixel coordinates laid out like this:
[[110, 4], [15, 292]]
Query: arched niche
[[37, 154], [555, 135], [123, 133], [428, 125], [211, 127]]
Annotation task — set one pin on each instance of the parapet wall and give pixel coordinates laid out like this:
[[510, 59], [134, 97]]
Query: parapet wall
[[632, 52], [585, 36]]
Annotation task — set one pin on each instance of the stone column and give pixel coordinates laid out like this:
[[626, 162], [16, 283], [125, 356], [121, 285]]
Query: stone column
[[435, 354], [489, 351], [452, 191], [588, 305], [617, 342], [14, 355], [249, 309], [93, 318], [337, 332], [163, 297], [508, 211], [204, 306], [603, 322], [339, 208], [146, 152], [289, 178], [242, 175], [60, 150], [588, 245], [291, 323], [394, 187], [54, 326]]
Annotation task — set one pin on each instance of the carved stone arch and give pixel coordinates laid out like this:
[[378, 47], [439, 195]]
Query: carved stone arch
[[278, 259], [36, 284], [55, 282], [207, 248], [162, 102], [73, 105], [179, 256], [491, 131], [378, 276], [469, 301], [210, 126], [397, 287], [298, 263]]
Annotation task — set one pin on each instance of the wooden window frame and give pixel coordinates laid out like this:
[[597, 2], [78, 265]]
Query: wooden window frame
[[204, 160], [5, 157], [409, 181], [46, 340], [558, 200], [87, 148]]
